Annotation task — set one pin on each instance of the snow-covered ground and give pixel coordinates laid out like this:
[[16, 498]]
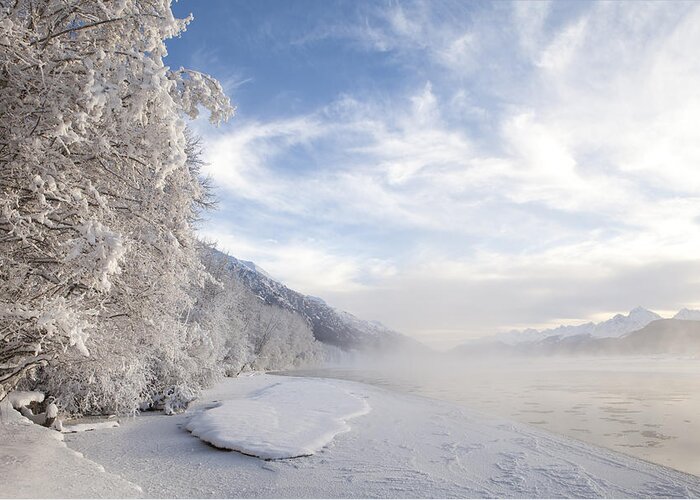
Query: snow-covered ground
[[35, 463], [406, 446]]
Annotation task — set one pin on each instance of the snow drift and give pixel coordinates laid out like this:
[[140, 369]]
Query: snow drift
[[290, 418]]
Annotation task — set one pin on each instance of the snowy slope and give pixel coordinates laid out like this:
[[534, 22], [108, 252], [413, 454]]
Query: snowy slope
[[253, 267], [329, 325], [35, 463], [407, 446]]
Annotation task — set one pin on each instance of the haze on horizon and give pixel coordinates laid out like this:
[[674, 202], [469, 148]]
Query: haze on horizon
[[456, 169]]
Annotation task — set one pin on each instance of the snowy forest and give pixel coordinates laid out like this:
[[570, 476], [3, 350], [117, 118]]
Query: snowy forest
[[108, 300]]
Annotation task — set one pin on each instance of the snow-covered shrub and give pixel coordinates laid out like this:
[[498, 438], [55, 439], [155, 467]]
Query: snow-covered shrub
[[110, 381], [172, 400], [177, 399]]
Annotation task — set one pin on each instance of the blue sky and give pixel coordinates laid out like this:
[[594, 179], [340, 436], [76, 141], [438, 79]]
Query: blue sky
[[454, 169]]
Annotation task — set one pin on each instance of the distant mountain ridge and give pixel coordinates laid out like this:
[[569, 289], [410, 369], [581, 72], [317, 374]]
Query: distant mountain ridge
[[641, 332], [616, 326], [329, 325], [675, 337]]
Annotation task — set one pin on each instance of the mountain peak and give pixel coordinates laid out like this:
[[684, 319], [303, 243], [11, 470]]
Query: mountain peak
[[688, 314], [641, 310], [642, 313]]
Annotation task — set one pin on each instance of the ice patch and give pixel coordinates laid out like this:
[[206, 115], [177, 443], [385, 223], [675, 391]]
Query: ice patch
[[73, 428], [288, 419]]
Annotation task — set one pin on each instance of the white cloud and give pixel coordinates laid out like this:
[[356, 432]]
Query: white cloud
[[558, 55], [239, 160], [306, 266], [461, 52], [528, 20]]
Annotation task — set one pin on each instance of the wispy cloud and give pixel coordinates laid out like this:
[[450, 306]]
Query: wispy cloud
[[318, 267]]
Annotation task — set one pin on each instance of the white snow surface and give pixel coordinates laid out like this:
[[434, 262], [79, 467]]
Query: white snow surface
[[290, 418], [18, 399], [407, 447], [35, 463], [52, 410]]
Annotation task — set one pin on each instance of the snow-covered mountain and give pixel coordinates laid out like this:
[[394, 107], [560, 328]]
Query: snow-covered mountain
[[329, 325], [660, 337], [513, 337], [632, 333], [620, 324], [688, 314], [616, 326]]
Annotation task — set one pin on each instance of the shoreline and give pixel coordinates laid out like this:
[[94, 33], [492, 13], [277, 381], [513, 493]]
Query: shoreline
[[406, 446]]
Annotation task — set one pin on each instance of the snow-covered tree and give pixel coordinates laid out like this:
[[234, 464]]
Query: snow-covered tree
[[253, 335], [97, 199], [281, 339]]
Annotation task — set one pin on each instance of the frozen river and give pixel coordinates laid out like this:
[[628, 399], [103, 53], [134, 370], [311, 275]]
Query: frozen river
[[644, 407], [401, 446]]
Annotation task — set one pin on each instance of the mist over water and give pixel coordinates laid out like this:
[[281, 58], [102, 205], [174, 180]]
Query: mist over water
[[647, 407]]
